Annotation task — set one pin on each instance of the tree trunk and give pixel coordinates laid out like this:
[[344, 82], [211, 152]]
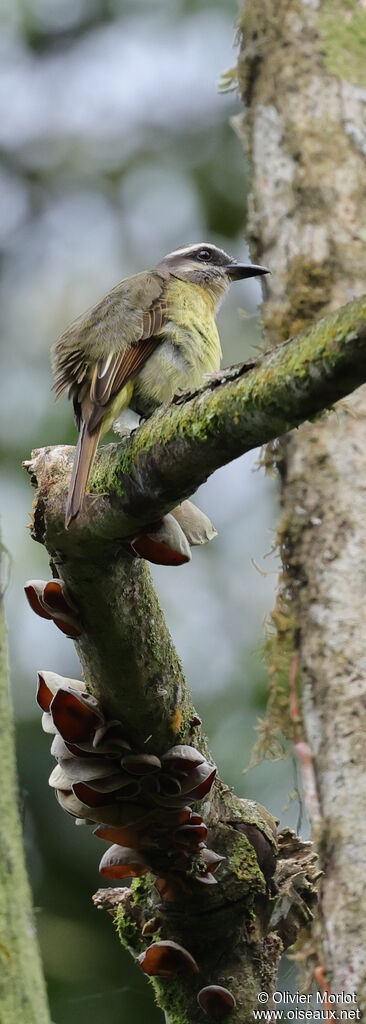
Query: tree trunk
[[22, 989], [302, 74]]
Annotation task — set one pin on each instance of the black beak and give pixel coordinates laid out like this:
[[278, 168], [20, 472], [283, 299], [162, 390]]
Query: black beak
[[239, 271]]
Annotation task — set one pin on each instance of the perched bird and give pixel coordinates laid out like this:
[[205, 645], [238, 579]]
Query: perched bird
[[151, 336]]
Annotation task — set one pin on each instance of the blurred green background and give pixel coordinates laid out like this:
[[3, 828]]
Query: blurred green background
[[116, 146]]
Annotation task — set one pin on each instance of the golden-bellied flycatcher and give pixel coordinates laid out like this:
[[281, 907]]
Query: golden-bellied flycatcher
[[151, 336]]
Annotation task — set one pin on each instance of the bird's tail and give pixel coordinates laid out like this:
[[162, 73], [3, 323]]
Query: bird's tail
[[84, 455]]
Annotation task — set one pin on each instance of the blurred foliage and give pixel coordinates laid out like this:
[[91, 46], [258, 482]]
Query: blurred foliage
[[115, 147]]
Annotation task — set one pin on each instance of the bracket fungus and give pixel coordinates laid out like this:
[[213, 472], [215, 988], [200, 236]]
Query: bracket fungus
[[50, 600], [138, 801], [75, 716], [141, 764], [167, 960], [169, 541], [216, 1001], [190, 835], [182, 758], [48, 685], [165, 545], [122, 862]]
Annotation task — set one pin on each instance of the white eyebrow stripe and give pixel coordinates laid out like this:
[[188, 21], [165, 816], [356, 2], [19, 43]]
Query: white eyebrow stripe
[[193, 248]]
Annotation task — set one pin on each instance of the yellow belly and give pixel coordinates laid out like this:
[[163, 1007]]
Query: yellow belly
[[190, 347]]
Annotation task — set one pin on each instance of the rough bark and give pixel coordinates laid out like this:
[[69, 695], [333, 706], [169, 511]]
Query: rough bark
[[302, 75], [22, 988]]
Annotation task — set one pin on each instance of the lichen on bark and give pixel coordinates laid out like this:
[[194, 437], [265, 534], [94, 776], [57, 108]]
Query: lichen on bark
[[301, 72]]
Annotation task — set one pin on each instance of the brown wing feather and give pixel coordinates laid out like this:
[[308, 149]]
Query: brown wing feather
[[104, 388], [110, 375], [113, 372]]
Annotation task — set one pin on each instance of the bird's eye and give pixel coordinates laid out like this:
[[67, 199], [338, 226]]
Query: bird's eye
[[205, 255]]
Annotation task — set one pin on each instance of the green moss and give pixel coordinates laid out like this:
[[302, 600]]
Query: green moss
[[128, 932], [140, 887], [272, 398], [308, 292], [280, 646], [243, 863], [170, 997], [343, 31]]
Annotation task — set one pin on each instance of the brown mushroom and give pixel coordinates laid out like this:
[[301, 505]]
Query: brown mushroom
[[118, 814], [48, 684], [60, 749], [33, 590], [196, 526], [56, 599], [171, 889], [169, 785], [190, 835], [122, 862], [125, 815], [110, 739], [172, 818], [167, 819], [182, 757], [90, 769], [68, 626], [80, 750], [44, 694], [216, 1001], [165, 545], [75, 716], [212, 860], [166, 960], [49, 601], [195, 819], [199, 781], [70, 803], [206, 879], [195, 785], [141, 764], [89, 796], [108, 814], [124, 788], [130, 836]]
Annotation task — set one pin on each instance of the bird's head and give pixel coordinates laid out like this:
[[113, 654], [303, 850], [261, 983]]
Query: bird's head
[[208, 266]]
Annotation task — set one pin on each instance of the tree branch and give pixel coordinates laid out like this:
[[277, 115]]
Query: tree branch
[[171, 454]]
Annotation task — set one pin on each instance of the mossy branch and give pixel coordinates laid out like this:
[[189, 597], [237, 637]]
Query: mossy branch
[[170, 455]]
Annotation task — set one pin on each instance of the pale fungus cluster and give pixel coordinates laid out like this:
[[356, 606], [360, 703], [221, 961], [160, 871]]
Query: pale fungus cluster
[[137, 801]]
